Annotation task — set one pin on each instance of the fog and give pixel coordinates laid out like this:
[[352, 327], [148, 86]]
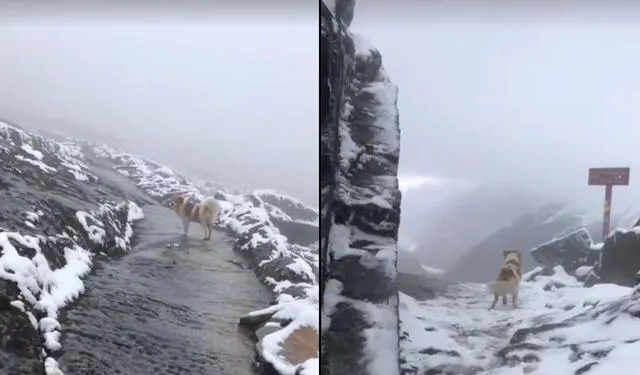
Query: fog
[[527, 95], [227, 92]]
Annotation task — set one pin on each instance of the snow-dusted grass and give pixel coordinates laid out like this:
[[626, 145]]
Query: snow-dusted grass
[[239, 214], [460, 322]]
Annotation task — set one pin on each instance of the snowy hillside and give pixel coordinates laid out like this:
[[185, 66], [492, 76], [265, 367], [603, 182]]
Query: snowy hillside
[[560, 327], [65, 209]]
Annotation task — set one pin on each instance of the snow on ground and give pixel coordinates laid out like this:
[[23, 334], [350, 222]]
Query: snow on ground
[[457, 332], [47, 290], [240, 214]]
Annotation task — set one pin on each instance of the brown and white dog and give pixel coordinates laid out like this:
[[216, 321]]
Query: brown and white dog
[[508, 281], [191, 209]]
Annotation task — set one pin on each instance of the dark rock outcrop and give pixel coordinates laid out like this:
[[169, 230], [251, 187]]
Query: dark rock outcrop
[[360, 209], [571, 251], [482, 261], [620, 260]]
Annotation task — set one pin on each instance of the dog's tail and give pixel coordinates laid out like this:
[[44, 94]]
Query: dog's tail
[[211, 204]]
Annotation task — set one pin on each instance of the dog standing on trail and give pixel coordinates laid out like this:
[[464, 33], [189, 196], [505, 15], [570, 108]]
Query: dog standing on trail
[[508, 281], [191, 209]]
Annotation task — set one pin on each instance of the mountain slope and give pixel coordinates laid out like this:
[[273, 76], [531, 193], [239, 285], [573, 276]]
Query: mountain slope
[[482, 261]]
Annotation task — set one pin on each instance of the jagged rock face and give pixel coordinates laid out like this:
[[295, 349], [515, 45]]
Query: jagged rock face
[[360, 202], [620, 260], [571, 251], [482, 262]]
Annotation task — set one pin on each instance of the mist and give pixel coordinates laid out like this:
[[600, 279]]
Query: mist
[[228, 93], [527, 95]]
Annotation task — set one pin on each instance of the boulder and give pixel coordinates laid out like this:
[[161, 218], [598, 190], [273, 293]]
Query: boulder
[[574, 250], [620, 260], [360, 210]]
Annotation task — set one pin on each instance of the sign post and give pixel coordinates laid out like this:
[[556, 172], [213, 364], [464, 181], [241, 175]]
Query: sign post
[[608, 177]]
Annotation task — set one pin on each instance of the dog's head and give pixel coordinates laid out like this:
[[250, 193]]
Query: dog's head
[[177, 200], [512, 253]]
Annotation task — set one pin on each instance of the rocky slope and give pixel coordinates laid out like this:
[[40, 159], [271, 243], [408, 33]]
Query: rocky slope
[[360, 140], [57, 220], [64, 213]]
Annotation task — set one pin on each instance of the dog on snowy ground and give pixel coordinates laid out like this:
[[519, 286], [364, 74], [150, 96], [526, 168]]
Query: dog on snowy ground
[[191, 209], [508, 281]]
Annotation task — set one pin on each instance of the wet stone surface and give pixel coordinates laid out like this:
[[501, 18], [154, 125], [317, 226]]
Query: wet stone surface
[[164, 310]]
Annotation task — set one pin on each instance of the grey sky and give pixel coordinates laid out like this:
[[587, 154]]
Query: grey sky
[[234, 96], [489, 95]]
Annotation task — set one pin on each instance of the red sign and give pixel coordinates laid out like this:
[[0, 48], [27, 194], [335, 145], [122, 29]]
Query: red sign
[[608, 176]]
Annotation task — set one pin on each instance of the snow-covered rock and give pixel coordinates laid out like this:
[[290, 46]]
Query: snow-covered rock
[[572, 251], [620, 259], [360, 142], [56, 218]]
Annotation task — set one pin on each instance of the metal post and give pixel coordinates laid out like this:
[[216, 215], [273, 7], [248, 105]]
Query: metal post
[[607, 211]]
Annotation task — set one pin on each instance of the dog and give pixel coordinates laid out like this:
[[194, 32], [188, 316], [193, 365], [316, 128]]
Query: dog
[[508, 281], [191, 209]]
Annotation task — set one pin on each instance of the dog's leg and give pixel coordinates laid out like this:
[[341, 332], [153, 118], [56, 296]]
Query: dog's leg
[[504, 299], [495, 301], [185, 226], [514, 300], [207, 229], [210, 227]]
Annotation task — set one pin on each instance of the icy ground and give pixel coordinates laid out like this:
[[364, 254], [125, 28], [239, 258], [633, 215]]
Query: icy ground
[[559, 328]]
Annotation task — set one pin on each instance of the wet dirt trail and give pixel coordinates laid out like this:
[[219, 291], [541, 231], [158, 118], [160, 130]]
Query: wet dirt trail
[[163, 310]]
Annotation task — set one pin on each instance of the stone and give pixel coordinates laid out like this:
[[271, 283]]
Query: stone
[[620, 260], [572, 251]]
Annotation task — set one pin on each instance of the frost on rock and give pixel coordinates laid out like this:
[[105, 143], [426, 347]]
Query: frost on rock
[[360, 143]]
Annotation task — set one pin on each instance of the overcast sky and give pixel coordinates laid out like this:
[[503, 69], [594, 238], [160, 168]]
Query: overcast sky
[[490, 94], [215, 90]]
